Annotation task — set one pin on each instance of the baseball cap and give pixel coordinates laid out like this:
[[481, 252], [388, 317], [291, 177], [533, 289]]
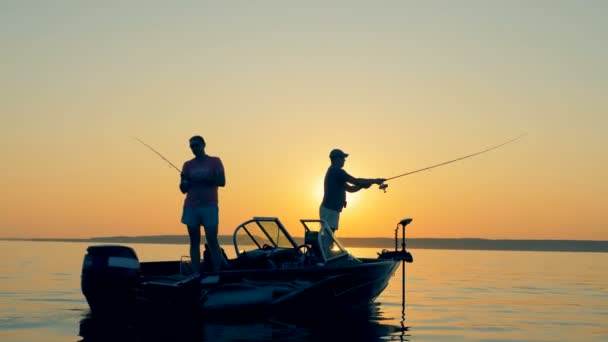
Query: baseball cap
[[337, 153]]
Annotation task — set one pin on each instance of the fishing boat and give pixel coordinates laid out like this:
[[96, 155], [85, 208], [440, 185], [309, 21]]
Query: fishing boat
[[270, 271]]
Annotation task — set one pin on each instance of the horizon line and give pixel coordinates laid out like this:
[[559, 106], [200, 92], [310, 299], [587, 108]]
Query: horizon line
[[84, 239], [600, 246]]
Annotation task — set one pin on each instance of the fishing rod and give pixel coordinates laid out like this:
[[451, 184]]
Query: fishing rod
[[383, 186], [160, 155]]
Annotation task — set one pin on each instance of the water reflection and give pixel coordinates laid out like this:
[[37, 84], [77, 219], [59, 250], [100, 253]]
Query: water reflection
[[301, 324]]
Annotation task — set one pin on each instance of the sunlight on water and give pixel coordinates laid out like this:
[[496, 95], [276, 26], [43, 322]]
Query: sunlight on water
[[450, 295]]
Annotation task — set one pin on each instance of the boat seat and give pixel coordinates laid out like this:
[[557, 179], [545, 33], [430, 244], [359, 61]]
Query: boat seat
[[256, 258], [311, 238], [206, 265]]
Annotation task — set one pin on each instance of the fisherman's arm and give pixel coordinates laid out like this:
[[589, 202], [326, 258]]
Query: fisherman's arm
[[364, 182], [352, 188], [217, 177], [184, 183]]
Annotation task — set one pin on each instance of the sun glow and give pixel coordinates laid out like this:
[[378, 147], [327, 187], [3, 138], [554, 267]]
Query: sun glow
[[318, 192], [352, 198]]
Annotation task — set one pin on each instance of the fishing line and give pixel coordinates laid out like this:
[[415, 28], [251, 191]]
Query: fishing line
[[383, 186], [160, 155]]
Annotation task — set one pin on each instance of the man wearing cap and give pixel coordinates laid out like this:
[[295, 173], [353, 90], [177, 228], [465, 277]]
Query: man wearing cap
[[337, 182]]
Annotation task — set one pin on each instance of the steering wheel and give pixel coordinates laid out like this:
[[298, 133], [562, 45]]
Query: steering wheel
[[304, 250], [267, 247]]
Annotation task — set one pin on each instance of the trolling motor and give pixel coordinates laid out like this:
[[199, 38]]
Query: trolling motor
[[400, 255], [397, 254]]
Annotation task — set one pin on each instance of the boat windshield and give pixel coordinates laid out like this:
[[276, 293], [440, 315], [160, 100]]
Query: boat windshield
[[261, 233]]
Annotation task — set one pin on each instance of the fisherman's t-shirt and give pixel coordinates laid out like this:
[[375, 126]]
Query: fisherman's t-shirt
[[201, 194], [334, 196]]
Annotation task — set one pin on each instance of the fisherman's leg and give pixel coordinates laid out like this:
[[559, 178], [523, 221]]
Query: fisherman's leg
[[192, 220], [210, 223], [323, 215], [195, 246], [336, 222], [214, 247]]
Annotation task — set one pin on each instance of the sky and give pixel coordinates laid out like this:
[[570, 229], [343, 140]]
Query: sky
[[273, 86]]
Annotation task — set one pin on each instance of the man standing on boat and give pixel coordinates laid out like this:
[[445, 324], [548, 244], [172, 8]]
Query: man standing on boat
[[337, 183], [200, 179]]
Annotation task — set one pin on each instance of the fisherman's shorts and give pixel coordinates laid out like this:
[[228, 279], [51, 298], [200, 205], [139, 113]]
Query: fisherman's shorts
[[331, 217], [205, 216]]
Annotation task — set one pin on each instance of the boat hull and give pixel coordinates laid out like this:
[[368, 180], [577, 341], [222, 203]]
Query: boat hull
[[269, 272], [160, 289]]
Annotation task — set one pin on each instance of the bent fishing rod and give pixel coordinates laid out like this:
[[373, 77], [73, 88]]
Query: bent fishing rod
[[383, 186], [160, 155]]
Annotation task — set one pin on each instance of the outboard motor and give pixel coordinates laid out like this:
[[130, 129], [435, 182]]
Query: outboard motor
[[109, 277]]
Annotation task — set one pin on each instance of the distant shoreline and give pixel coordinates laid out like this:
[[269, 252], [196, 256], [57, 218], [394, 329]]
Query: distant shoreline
[[382, 243]]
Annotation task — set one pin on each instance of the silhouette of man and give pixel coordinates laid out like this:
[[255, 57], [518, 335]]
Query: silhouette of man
[[337, 183], [200, 179]]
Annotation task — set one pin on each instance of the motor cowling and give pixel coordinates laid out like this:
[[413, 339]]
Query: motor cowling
[[110, 274], [396, 255]]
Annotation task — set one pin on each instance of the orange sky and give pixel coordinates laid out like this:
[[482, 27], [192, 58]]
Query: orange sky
[[273, 88]]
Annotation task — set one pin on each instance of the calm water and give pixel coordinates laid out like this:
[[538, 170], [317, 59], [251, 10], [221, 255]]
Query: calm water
[[450, 296]]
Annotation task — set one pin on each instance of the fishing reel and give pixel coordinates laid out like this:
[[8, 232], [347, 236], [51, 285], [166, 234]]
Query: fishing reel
[[383, 187]]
